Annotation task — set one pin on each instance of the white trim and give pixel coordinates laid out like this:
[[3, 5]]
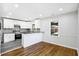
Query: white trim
[[61, 45], [64, 46]]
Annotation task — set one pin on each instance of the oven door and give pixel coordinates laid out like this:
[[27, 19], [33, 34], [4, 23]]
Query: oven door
[[18, 36]]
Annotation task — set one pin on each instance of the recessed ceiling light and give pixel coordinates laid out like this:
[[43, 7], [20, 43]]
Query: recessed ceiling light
[[16, 5], [40, 14], [60, 9]]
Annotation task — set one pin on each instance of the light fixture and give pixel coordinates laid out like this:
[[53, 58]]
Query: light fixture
[[16, 5], [40, 14], [60, 9]]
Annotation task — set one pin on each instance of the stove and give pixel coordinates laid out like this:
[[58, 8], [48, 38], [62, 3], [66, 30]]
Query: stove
[[18, 36]]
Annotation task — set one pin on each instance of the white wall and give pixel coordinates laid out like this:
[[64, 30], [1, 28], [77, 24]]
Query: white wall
[[67, 30]]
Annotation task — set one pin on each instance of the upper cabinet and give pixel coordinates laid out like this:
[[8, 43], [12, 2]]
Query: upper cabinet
[[7, 23], [36, 23], [26, 24]]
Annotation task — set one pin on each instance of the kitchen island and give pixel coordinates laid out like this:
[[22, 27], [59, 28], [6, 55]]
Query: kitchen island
[[31, 38]]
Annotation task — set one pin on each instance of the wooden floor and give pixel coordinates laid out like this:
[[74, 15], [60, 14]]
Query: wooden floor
[[42, 49]]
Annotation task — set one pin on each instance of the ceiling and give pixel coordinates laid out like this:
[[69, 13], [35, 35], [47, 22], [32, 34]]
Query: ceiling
[[36, 10]]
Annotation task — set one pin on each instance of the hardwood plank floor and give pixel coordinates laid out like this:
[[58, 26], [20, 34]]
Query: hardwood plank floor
[[43, 49]]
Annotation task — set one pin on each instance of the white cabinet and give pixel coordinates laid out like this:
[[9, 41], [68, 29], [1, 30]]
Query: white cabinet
[[8, 37], [26, 25], [16, 22], [31, 38], [37, 23], [23, 24], [8, 23]]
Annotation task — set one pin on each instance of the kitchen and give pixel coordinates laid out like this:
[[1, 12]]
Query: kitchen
[[17, 32], [39, 29]]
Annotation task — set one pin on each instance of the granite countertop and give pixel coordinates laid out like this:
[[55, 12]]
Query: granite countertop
[[31, 32], [22, 32]]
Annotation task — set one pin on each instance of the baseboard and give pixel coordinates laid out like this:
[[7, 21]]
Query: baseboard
[[62, 45]]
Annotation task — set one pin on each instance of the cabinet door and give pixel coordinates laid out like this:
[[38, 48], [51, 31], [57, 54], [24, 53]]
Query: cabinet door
[[8, 37], [26, 25], [37, 23], [8, 23]]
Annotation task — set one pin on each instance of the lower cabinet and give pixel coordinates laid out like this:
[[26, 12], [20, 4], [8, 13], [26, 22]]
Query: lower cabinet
[[31, 38], [9, 37]]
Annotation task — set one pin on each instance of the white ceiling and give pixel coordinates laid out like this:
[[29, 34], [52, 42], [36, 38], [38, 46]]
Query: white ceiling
[[33, 10]]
